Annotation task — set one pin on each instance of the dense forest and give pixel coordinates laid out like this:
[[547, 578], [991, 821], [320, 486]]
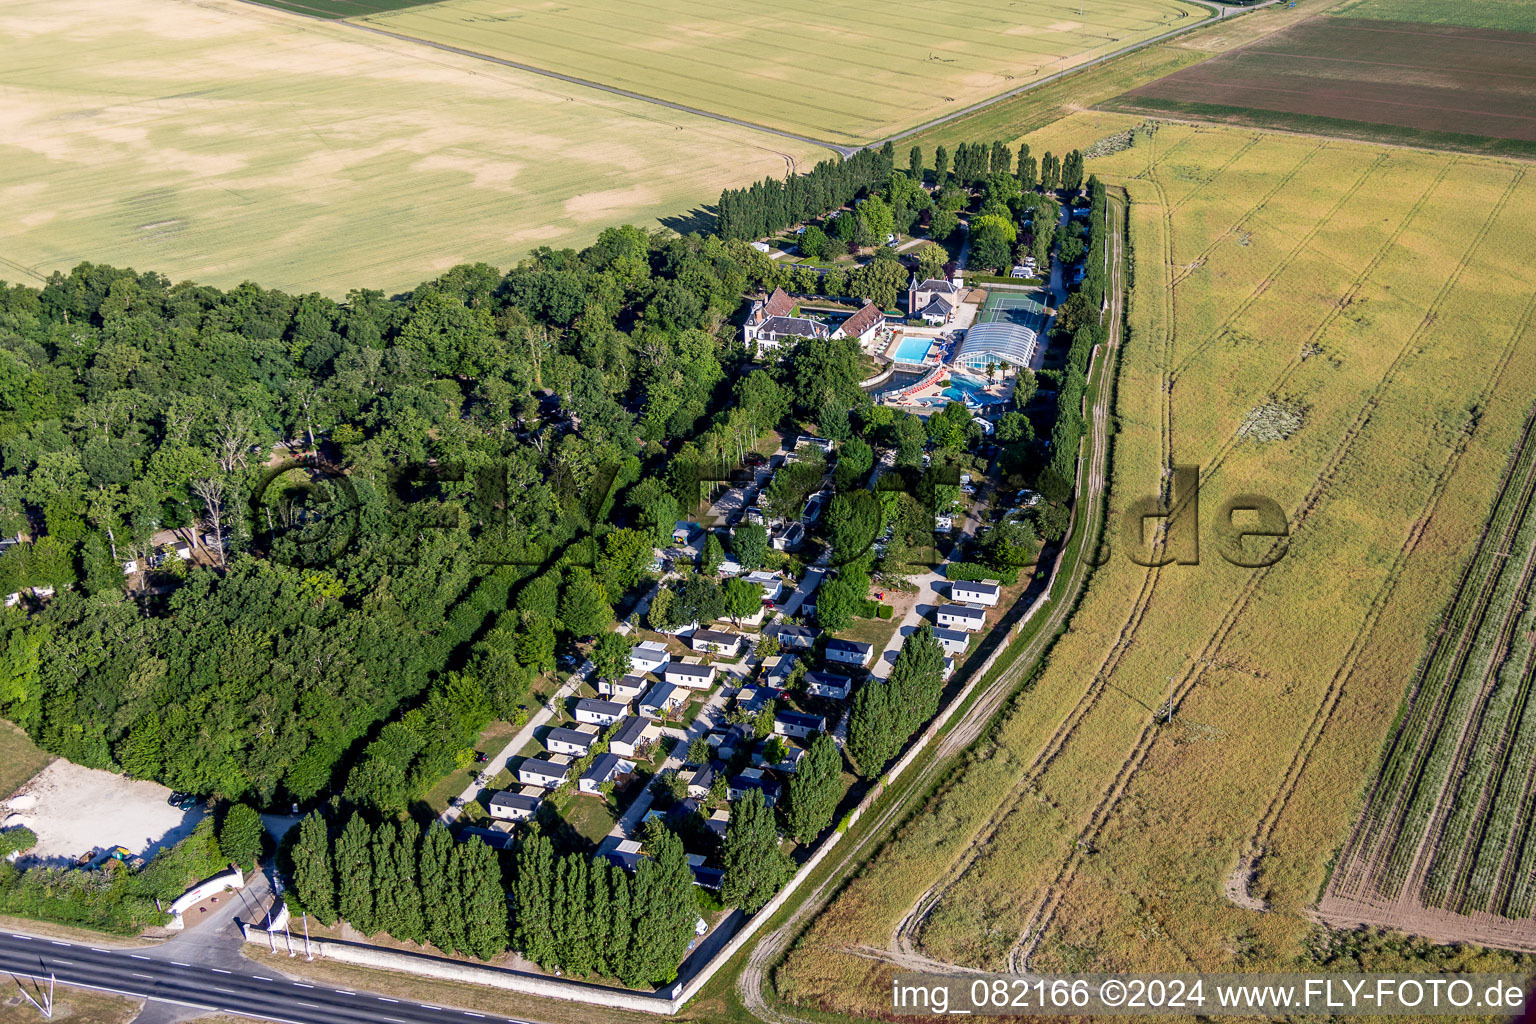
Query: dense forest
[[401, 508]]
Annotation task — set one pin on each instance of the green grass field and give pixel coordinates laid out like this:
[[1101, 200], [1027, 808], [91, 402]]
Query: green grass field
[[20, 759], [1513, 15], [224, 143], [848, 72], [1344, 280]]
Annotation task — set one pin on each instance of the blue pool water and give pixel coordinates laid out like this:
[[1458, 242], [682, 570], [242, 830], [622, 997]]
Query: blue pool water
[[912, 350], [968, 388]]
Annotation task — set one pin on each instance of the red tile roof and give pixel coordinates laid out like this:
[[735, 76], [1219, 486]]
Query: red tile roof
[[778, 304], [862, 321]]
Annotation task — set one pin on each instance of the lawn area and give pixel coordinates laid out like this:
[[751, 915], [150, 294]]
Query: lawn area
[[871, 631], [740, 58], [228, 143], [495, 736], [20, 759], [588, 816], [1085, 834]]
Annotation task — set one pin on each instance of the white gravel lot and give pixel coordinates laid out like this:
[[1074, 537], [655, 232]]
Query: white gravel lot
[[75, 810]]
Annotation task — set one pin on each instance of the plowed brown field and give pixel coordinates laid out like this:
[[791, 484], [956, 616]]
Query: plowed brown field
[[1413, 82]]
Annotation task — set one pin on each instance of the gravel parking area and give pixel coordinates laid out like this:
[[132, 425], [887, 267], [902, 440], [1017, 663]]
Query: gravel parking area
[[75, 810]]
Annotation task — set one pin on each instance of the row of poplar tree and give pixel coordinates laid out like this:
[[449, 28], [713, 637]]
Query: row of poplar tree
[[585, 916], [576, 913], [885, 713], [417, 887]]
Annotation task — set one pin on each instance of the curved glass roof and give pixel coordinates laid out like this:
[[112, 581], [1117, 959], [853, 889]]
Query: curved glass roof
[[997, 342]]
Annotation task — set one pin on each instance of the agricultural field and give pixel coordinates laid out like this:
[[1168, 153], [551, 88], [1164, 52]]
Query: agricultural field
[[1320, 323], [848, 73], [1513, 15], [224, 142], [1447, 825], [1442, 86]]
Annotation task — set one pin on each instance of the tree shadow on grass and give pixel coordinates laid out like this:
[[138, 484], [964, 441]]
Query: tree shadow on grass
[[700, 219]]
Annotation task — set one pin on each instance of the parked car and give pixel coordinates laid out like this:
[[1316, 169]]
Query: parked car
[[481, 757], [176, 798]]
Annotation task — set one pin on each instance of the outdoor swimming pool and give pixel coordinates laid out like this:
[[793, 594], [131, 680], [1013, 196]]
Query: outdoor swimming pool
[[912, 350], [969, 388]]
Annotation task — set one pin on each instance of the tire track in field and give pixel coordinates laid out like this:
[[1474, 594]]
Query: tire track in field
[[905, 934], [908, 930], [1253, 140], [1349, 295], [1199, 261], [1050, 902]]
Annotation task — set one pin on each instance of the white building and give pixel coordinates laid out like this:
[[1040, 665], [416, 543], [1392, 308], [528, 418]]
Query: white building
[[826, 684], [546, 774], [968, 592], [961, 616], [599, 712], [850, 652], [690, 675], [508, 806], [574, 742], [649, 656], [953, 641]]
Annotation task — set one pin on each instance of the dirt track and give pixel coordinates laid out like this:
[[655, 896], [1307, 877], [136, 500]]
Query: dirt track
[[882, 824]]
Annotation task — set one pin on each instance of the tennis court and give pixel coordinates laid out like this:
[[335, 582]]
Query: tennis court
[[1023, 310]]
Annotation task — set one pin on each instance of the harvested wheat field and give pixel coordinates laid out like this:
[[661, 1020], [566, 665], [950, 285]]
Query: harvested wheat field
[[847, 72], [1347, 330], [225, 142]]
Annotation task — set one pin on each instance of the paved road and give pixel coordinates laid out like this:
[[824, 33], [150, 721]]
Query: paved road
[[245, 993], [495, 765]]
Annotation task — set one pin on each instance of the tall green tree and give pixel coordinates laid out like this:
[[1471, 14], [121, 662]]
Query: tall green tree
[[314, 877], [749, 545], [742, 599], [915, 164], [441, 903], [386, 880], [584, 608], [872, 725], [533, 900], [663, 910], [240, 835], [483, 900], [713, 554], [755, 867], [814, 789], [410, 924], [354, 874], [940, 166], [610, 655]]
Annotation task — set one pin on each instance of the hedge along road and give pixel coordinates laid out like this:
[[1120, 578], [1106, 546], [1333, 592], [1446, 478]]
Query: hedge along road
[[1221, 11], [1070, 572]]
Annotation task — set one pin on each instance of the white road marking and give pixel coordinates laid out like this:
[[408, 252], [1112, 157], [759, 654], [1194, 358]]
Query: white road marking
[[260, 978], [300, 984], [215, 970], [386, 999], [151, 977], [58, 961], [178, 963], [345, 991], [137, 957], [56, 942], [312, 1006], [23, 938]]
